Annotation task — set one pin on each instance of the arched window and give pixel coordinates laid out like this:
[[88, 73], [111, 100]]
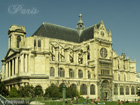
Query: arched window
[[52, 71], [80, 73], [132, 90], [18, 41], [92, 89], [71, 73], [115, 90], [89, 76], [73, 86], [61, 72], [38, 91], [119, 77], [127, 90], [121, 90], [83, 89], [39, 43], [34, 42]]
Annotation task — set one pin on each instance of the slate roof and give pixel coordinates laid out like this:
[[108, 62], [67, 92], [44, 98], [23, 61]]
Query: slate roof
[[60, 32]]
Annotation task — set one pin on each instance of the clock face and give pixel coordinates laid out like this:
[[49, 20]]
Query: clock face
[[103, 52], [102, 33]]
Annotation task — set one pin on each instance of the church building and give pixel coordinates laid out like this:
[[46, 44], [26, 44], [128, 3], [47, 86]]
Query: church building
[[81, 57]]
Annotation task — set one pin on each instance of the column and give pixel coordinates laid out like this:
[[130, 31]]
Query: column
[[6, 69], [88, 89], [13, 67], [78, 88], [84, 73], [22, 63], [3, 71], [118, 90], [9, 68], [16, 66], [76, 73], [56, 71], [129, 90], [124, 90], [66, 72], [26, 61]]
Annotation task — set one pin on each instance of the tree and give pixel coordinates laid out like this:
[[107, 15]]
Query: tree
[[26, 91], [3, 90], [38, 91], [71, 92], [52, 91], [138, 92], [13, 92]]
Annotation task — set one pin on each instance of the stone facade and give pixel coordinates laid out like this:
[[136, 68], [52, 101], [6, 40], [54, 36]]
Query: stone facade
[[90, 65]]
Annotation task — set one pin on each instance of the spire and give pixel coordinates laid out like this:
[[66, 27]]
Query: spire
[[80, 24]]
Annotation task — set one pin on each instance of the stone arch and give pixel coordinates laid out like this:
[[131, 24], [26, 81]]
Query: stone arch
[[83, 89]]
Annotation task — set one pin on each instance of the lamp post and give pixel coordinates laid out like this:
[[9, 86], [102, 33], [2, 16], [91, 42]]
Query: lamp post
[[116, 90], [102, 94], [64, 93]]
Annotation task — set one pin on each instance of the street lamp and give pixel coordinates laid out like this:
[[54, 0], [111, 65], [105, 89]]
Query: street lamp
[[116, 90], [64, 92], [102, 94]]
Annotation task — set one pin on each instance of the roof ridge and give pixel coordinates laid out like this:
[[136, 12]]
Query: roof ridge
[[60, 26]]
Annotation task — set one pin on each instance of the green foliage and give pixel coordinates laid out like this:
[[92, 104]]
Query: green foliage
[[13, 92], [72, 92], [52, 91], [26, 91], [138, 92], [38, 91], [3, 90]]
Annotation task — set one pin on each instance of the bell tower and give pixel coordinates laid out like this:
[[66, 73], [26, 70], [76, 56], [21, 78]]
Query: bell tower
[[80, 25], [16, 36]]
